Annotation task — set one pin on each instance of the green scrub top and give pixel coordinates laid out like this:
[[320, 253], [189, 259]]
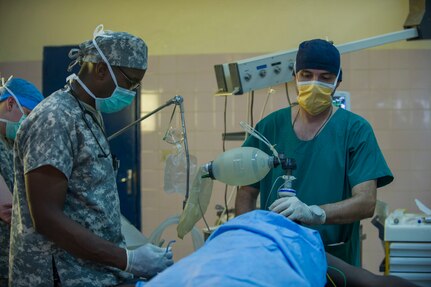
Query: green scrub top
[[344, 154]]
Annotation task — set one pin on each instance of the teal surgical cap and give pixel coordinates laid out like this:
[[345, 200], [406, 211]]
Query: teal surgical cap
[[25, 92]]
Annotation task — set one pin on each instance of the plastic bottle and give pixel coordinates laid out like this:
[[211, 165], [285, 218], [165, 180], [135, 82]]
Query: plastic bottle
[[286, 190], [240, 166]]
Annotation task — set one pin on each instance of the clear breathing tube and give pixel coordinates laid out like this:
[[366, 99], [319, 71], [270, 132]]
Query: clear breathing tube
[[252, 131], [285, 187]]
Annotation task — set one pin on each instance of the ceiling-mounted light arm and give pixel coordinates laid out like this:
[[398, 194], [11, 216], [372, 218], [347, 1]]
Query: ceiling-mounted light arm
[[378, 40], [273, 69]]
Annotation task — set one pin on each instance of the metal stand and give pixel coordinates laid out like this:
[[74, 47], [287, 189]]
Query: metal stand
[[177, 100]]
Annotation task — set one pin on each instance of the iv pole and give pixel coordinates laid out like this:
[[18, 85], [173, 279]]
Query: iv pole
[[177, 100]]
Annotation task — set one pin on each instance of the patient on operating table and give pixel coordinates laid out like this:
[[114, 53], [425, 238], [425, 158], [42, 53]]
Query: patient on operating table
[[262, 248]]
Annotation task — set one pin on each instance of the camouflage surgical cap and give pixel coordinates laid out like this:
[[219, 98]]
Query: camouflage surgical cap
[[120, 49]]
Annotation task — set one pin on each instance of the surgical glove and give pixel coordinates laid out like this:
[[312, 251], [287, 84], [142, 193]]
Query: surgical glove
[[296, 210], [148, 260]]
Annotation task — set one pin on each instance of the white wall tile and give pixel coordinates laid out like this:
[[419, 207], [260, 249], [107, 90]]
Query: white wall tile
[[400, 79], [358, 79]]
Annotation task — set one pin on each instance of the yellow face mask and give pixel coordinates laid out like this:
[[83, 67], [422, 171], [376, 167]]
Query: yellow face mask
[[314, 96]]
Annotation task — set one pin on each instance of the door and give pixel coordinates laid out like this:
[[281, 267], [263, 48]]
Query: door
[[125, 147]]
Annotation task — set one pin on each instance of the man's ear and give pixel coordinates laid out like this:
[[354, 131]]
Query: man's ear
[[10, 102], [101, 70]]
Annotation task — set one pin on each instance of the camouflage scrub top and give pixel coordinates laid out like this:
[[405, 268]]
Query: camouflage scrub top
[[55, 134], [6, 171]]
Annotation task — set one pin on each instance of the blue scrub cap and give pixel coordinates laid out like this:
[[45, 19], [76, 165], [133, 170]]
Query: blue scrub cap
[[120, 49], [318, 54], [25, 92]]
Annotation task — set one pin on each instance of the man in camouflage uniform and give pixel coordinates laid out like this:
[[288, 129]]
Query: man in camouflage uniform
[[17, 98], [66, 213]]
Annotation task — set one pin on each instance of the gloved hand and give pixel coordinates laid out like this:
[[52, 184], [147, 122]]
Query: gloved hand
[[148, 260], [296, 210]]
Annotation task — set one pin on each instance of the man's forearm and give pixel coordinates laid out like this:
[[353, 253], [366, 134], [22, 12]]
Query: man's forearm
[[360, 206], [245, 199], [46, 194], [82, 243]]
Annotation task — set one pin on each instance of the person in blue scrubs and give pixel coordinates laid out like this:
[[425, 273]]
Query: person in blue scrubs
[[339, 162], [17, 98]]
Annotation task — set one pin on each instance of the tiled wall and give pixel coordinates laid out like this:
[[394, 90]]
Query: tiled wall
[[390, 88]]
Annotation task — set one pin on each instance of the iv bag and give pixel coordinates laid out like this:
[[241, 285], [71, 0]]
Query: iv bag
[[175, 177]]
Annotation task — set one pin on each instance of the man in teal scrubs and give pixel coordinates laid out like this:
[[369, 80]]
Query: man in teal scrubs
[[339, 163]]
